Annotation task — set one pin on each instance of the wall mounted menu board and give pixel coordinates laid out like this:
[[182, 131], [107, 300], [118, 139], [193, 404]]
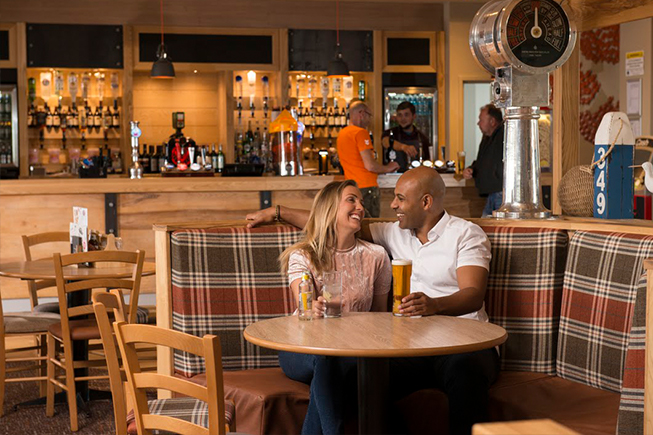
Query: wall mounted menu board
[[74, 46], [312, 50], [4, 44], [197, 48]]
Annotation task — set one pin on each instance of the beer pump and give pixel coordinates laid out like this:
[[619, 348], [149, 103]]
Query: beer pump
[[521, 42], [135, 169]]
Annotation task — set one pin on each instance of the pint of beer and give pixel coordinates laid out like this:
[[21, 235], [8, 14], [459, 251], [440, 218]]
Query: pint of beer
[[460, 164], [401, 271]]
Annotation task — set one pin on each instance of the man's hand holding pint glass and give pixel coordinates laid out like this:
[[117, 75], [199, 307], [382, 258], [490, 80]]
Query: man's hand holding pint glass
[[401, 273]]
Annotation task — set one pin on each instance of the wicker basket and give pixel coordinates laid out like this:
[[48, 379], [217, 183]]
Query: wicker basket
[[576, 192]]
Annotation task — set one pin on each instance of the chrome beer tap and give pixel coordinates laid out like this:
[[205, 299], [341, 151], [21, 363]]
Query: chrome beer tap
[[135, 169]]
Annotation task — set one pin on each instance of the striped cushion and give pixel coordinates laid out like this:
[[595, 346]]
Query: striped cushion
[[631, 408], [142, 315], [223, 279], [184, 408], [523, 294], [598, 298]]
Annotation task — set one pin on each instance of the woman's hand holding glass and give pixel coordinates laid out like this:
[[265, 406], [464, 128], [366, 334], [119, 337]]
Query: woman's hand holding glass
[[319, 307]]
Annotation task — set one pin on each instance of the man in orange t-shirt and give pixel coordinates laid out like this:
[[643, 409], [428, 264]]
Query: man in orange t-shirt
[[356, 155]]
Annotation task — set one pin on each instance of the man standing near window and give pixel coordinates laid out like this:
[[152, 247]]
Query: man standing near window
[[487, 169], [408, 140], [356, 154]]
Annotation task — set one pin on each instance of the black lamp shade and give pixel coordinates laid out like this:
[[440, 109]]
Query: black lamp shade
[[162, 67], [338, 67]]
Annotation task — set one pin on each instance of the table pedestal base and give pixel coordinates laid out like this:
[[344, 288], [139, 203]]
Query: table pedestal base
[[373, 395]]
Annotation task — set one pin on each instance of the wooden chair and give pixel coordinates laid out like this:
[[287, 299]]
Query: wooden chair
[[27, 327], [67, 331], [207, 412]]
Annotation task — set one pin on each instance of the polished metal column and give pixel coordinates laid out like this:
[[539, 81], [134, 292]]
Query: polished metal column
[[522, 198]]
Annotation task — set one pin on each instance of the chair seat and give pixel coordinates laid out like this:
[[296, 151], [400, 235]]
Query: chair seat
[[19, 323], [86, 329], [268, 402], [184, 408], [47, 307]]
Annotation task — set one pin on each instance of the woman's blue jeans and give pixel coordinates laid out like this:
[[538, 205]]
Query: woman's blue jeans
[[333, 389]]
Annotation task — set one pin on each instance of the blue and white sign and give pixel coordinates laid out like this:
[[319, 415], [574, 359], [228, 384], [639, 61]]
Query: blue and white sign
[[613, 177]]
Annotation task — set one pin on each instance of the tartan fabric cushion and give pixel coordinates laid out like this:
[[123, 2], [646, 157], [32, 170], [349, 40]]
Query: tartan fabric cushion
[[524, 292], [631, 407], [142, 315], [184, 408], [598, 298], [223, 279]]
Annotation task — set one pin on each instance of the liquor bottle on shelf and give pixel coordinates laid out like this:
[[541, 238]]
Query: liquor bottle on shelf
[[145, 160], [220, 160], [361, 90], [107, 118], [162, 156], [56, 118], [336, 114], [344, 116], [300, 112], [70, 123], [83, 117], [330, 118], [239, 147], [115, 122], [97, 116], [154, 161], [213, 158], [312, 120]]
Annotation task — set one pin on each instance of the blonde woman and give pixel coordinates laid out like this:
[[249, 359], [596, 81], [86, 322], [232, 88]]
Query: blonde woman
[[331, 244]]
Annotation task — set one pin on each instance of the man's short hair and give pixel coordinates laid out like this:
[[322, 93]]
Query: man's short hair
[[494, 112], [406, 105]]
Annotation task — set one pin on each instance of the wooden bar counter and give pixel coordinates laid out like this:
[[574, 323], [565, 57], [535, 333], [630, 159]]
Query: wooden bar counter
[[131, 207]]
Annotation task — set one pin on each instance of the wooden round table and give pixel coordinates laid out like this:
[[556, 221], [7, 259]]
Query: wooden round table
[[44, 269], [374, 337]]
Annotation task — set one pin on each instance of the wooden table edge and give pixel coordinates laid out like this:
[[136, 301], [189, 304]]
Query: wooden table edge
[[19, 275], [377, 353]]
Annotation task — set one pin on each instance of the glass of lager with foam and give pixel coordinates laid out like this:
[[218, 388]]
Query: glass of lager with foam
[[401, 271]]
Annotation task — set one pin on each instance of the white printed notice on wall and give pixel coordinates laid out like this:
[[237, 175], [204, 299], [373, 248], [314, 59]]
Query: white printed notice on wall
[[635, 63]]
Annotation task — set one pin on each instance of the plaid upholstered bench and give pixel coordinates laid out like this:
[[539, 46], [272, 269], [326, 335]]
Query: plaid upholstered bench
[[572, 303], [574, 309], [223, 279]]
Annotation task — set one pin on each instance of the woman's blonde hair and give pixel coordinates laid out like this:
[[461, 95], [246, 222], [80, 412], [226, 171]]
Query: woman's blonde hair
[[320, 240]]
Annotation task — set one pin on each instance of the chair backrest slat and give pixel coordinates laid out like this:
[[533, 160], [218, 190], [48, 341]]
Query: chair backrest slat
[[126, 284], [171, 424], [164, 337], [187, 388]]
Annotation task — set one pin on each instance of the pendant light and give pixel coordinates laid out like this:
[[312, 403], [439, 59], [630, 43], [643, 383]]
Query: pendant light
[[162, 67], [338, 67]]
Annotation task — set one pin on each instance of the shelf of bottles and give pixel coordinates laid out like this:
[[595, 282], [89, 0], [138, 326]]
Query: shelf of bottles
[[8, 132], [321, 104], [254, 107], [74, 119]]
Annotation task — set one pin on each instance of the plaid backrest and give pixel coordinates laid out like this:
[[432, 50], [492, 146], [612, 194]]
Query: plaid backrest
[[631, 406], [223, 279], [598, 298], [524, 291]]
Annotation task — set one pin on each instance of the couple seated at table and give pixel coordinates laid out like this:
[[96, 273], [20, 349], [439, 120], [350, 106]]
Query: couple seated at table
[[450, 266]]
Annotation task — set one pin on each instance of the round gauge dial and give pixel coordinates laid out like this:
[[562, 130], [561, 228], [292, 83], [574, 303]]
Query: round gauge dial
[[538, 32]]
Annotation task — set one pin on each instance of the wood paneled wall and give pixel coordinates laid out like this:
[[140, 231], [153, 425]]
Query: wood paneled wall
[[195, 94]]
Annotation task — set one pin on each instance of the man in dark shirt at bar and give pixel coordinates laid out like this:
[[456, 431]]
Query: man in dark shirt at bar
[[487, 169], [407, 138]]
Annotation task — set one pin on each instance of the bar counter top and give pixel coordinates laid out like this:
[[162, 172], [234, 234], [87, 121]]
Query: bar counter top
[[58, 186]]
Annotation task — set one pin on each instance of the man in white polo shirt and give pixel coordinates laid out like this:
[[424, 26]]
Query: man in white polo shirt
[[451, 259]]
